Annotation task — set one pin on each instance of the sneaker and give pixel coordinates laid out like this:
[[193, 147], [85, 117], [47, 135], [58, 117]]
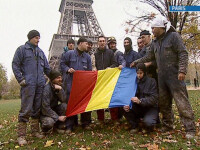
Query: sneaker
[[116, 123], [190, 135], [166, 129], [60, 131], [132, 131], [100, 122], [38, 135], [68, 131], [21, 141]]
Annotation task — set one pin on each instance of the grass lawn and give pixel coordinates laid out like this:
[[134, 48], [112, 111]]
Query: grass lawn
[[106, 137]]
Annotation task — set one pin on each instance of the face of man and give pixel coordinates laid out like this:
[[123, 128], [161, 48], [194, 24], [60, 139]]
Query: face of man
[[89, 48], [70, 46], [157, 31], [35, 40], [146, 39], [57, 80], [126, 42], [140, 44], [140, 74], [102, 43], [113, 46], [83, 46]]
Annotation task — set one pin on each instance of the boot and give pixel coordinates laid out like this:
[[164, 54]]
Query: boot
[[21, 132], [35, 129]]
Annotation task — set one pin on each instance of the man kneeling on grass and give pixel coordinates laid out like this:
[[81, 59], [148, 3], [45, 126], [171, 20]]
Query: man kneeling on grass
[[53, 113], [145, 103]]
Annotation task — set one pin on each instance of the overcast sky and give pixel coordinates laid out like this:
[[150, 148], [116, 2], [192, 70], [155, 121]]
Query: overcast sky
[[18, 17]]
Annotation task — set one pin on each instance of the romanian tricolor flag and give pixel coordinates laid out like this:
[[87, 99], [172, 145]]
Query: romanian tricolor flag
[[93, 90]]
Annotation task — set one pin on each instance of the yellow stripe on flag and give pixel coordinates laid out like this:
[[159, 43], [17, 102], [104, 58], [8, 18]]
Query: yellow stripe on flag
[[105, 85]]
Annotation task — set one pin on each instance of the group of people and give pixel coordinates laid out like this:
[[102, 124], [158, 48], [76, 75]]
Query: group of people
[[161, 63]]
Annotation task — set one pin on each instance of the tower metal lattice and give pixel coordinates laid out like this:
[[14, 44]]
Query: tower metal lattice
[[77, 19]]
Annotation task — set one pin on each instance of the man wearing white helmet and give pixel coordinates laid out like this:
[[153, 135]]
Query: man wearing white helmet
[[172, 60]]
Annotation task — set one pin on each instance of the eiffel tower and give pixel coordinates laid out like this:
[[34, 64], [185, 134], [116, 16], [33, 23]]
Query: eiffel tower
[[77, 20]]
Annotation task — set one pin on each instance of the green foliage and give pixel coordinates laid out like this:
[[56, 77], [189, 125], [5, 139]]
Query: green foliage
[[3, 79], [12, 89], [106, 137], [191, 38]]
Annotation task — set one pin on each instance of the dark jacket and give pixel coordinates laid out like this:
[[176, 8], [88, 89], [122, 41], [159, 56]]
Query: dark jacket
[[72, 59], [30, 64], [151, 70], [50, 99], [170, 54], [147, 92], [130, 56], [142, 52], [104, 59], [119, 57]]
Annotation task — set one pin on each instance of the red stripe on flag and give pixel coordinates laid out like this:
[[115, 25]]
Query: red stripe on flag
[[82, 87]]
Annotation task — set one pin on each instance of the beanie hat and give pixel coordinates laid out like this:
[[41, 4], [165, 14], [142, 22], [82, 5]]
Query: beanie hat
[[90, 41], [111, 40], [32, 34], [70, 41], [81, 39], [142, 67], [54, 74], [145, 32]]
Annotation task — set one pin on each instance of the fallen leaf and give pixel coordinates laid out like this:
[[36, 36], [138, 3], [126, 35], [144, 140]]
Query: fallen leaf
[[132, 143], [153, 147], [144, 145], [49, 143], [16, 147], [1, 126], [88, 148], [149, 146], [169, 141]]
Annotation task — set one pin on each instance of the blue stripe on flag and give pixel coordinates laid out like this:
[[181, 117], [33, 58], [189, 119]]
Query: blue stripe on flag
[[125, 88]]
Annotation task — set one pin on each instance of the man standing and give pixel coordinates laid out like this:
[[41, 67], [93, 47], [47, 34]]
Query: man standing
[[71, 61], [172, 59], [140, 44], [70, 45], [29, 65], [129, 55], [151, 66], [104, 58], [53, 114], [91, 53], [119, 57]]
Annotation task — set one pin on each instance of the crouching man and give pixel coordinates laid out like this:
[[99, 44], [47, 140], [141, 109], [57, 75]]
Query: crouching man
[[53, 113], [145, 103]]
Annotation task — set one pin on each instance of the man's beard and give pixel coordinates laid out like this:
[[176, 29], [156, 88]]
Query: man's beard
[[127, 47]]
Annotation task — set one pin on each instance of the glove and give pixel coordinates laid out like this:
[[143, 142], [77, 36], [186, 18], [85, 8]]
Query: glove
[[22, 83]]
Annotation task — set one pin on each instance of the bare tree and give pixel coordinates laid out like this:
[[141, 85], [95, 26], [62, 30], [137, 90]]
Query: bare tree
[[177, 19]]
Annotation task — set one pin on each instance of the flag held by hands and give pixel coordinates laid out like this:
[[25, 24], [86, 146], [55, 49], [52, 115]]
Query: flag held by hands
[[93, 90]]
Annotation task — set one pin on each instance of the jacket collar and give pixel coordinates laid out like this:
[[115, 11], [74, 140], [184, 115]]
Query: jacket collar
[[142, 80], [28, 46], [127, 53], [77, 54]]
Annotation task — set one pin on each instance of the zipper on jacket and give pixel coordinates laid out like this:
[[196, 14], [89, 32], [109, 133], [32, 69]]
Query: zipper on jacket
[[102, 61]]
